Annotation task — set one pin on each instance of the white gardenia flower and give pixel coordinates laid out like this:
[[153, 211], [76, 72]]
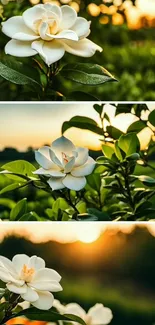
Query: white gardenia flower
[[64, 164], [49, 30], [97, 315], [28, 277]]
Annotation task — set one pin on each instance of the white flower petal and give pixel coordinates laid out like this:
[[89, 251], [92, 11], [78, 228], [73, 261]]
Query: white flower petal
[[61, 308], [17, 289], [45, 300], [36, 262], [46, 274], [53, 10], [42, 171], [74, 183], [65, 34], [75, 309], [69, 165], [5, 276], [19, 48], [84, 170], [100, 315], [43, 161], [15, 25], [62, 145], [8, 265], [49, 51], [45, 151], [19, 260], [33, 14], [81, 27], [82, 156], [30, 295], [53, 286], [55, 159], [69, 17], [56, 183], [25, 37], [84, 47]]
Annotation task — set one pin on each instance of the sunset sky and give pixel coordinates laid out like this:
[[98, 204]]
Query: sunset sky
[[24, 125], [66, 232]]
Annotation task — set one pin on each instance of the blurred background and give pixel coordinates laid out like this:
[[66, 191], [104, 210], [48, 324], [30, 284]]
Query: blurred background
[[111, 264], [125, 31]]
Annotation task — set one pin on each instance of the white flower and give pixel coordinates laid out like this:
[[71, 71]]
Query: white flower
[[28, 277], [49, 30], [24, 304], [97, 315], [65, 164]]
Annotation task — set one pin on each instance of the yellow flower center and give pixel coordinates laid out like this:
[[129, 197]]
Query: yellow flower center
[[27, 273], [64, 158]]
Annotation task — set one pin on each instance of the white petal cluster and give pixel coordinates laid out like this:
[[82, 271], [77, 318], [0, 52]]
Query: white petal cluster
[[64, 164], [97, 315], [49, 30], [28, 277]]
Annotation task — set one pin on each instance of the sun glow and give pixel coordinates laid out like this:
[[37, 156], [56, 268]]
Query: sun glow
[[88, 234]]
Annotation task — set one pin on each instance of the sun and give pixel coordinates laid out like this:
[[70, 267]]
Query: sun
[[88, 233]]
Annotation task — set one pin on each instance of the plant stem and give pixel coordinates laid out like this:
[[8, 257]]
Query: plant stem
[[13, 301]]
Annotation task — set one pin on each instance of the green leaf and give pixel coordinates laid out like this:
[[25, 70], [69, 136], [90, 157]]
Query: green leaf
[[75, 95], [108, 151], [82, 122], [146, 180], [136, 126], [19, 210], [151, 117], [102, 216], [86, 73], [123, 108], [134, 156], [10, 188], [129, 143], [19, 72], [94, 180], [118, 152], [30, 216], [3, 306], [20, 167], [7, 203], [86, 217], [114, 132], [48, 316], [98, 109]]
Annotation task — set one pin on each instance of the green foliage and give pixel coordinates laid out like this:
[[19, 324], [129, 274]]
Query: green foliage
[[49, 316], [86, 74]]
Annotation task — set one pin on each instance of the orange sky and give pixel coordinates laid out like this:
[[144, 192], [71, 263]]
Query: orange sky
[[66, 232]]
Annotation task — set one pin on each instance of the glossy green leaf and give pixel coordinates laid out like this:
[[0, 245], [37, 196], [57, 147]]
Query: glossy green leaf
[[98, 108], [19, 73], [20, 167], [86, 73], [49, 316], [108, 151], [94, 180], [146, 180], [129, 143], [10, 188], [82, 122], [114, 133], [136, 126], [151, 117], [102, 216], [19, 210]]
